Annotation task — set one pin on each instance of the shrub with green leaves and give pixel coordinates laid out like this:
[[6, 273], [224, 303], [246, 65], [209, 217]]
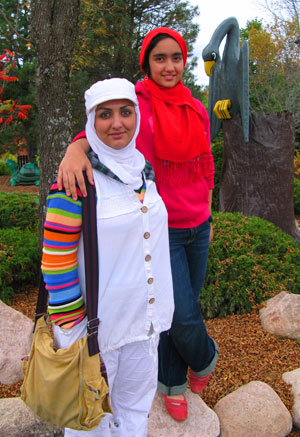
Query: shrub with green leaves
[[4, 170], [250, 260], [19, 260], [18, 209], [297, 197]]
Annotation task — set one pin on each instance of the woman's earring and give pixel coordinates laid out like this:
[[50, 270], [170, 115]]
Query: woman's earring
[[146, 77]]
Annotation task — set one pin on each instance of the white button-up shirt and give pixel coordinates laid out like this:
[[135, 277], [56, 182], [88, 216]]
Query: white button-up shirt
[[135, 282]]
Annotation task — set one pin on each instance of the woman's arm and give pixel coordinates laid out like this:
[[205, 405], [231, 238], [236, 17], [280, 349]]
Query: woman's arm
[[62, 231], [71, 167]]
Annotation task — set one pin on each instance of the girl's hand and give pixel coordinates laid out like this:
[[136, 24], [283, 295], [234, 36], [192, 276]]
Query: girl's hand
[[211, 233], [71, 167]]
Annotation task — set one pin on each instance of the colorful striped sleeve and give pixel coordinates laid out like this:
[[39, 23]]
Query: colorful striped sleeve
[[62, 231]]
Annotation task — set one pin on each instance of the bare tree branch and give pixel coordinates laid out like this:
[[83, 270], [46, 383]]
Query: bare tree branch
[[283, 10], [12, 27]]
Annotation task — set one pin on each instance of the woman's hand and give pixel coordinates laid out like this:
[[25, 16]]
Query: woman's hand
[[211, 233], [71, 167]]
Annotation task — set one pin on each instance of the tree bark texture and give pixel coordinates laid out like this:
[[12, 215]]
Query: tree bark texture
[[257, 178], [53, 33]]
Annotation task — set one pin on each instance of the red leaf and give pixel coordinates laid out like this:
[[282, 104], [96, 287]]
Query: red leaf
[[22, 115], [8, 120], [24, 107], [9, 52]]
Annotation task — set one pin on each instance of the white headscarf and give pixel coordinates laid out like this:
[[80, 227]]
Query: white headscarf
[[126, 163]]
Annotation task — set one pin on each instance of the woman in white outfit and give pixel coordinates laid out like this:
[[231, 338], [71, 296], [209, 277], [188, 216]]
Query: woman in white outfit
[[135, 282]]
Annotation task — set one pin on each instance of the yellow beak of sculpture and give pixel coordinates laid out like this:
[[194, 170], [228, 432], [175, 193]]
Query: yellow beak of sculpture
[[209, 65]]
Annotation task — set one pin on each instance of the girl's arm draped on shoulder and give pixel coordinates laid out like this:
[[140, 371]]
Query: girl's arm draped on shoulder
[[71, 167]]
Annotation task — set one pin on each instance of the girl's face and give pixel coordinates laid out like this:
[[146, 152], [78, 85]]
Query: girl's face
[[115, 122], [166, 63]]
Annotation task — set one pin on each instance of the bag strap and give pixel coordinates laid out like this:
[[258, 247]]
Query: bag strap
[[41, 305], [89, 231]]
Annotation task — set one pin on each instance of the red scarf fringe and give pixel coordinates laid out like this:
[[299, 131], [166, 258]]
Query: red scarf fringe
[[180, 174]]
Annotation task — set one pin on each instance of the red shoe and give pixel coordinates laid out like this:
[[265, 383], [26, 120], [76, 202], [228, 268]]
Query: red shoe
[[177, 408], [197, 383]]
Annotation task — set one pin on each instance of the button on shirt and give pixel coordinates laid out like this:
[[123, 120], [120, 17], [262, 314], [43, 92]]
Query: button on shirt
[[135, 281]]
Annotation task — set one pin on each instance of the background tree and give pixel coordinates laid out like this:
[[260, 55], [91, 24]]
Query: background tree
[[110, 36], [14, 36], [53, 33], [274, 68], [283, 10]]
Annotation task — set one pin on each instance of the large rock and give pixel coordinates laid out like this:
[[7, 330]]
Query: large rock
[[254, 410], [293, 378], [201, 421], [17, 420], [15, 342], [281, 315]]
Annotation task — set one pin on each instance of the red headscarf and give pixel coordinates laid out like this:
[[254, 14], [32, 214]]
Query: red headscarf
[[153, 33], [181, 149]]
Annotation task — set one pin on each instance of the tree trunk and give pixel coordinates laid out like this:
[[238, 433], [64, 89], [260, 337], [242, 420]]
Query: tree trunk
[[53, 32], [257, 178]]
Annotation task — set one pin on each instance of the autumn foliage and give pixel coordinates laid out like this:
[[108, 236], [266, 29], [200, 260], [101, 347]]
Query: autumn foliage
[[274, 66], [10, 110]]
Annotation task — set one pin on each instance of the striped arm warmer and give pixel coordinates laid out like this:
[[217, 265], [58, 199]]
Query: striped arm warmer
[[62, 231]]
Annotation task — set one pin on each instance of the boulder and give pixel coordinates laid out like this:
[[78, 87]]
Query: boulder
[[254, 410], [201, 421], [15, 342], [293, 378], [17, 420], [281, 315]]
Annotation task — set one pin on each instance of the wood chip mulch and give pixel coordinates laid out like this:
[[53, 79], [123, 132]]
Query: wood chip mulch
[[247, 353], [5, 186]]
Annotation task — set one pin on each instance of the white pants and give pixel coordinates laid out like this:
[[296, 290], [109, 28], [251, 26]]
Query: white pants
[[132, 380]]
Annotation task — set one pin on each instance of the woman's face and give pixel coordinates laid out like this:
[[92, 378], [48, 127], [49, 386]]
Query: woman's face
[[115, 122], [166, 63]]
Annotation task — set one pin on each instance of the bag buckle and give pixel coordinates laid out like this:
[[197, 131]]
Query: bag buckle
[[92, 326]]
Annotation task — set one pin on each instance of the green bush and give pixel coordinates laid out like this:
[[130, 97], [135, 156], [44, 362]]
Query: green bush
[[217, 151], [18, 209], [297, 197], [4, 170], [250, 260], [19, 260]]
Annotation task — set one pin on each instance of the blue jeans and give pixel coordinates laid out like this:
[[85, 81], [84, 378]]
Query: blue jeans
[[187, 343]]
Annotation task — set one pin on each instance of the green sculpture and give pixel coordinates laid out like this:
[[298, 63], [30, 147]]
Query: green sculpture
[[29, 174], [229, 77]]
